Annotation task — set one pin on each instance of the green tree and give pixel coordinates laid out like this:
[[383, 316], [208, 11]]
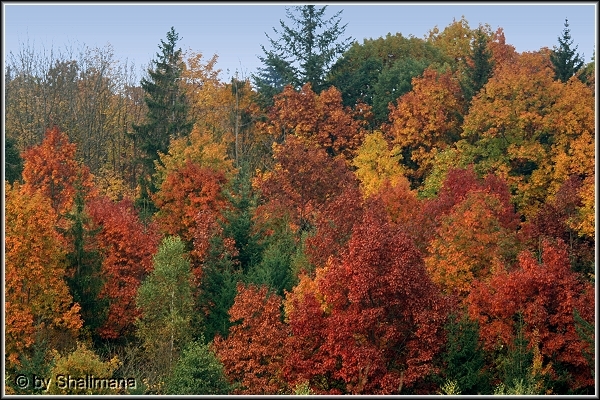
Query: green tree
[[165, 299], [197, 372], [479, 66], [565, 58], [167, 106], [13, 163], [303, 52], [464, 357]]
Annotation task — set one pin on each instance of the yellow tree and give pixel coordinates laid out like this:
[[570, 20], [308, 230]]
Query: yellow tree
[[376, 163], [37, 299]]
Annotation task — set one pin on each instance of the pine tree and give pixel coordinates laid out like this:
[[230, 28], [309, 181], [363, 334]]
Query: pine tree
[[565, 58], [167, 107], [303, 53]]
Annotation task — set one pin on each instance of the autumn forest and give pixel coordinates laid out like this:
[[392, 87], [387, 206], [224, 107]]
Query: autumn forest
[[397, 216]]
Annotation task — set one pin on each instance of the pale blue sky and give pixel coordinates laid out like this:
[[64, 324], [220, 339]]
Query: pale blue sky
[[235, 31]]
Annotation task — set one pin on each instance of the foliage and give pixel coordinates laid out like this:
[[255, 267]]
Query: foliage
[[253, 352], [479, 65], [84, 363], [127, 247], [465, 369], [165, 301], [371, 332], [52, 168], [426, 120], [303, 52], [565, 59], [375, 163], [37, 299], [321, 119], [304, 179], [197, 372], [167, 105], [13, 163], [545, 293]]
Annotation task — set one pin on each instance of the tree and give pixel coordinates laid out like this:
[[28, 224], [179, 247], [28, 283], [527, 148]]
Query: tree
[[372, 321], [303, 52], [545, 293], [52, 168], [565, 59], [167, 106], [84, 362], [127, 247], [253, 352], [165, 302], [197, 372], [38, 303], [426, 120], [321, 119], [302, 182], [479, 65], [13, 163]]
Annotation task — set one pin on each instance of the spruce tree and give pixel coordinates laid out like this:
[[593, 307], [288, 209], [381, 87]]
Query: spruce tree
[[565, 58], [303, 53], [167, 115], [480, 68]]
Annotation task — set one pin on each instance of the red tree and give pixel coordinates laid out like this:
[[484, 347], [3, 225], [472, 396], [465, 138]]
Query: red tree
[[128, 247], [546, 294], [375, 317]]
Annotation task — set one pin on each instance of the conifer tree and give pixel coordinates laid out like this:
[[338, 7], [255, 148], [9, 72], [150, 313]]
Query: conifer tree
[[565, 58], [480, 67], [167, 115], [303, 52]]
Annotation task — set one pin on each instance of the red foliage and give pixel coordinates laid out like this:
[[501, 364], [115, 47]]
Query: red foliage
[[253, 352], [303, 180], [379, 324], [128, 247], [546, 293]]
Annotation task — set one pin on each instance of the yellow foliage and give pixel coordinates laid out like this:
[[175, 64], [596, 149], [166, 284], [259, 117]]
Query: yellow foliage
[[375, 164]]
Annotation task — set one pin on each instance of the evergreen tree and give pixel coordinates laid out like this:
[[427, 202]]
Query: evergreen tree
[[198, 372], [167, 108], [303, 53], [480, 69], [13, 163], [565, 58]]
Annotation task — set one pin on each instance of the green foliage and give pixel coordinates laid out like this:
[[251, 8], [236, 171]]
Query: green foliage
[[217, 290], [85, 262], [393, 82], [586, 330], [274, 270], [464, 357], [13, 163], [565, 58], [165, 300], [197, 372], [38, 362], [303, 52], [167, 105], [480, 68]]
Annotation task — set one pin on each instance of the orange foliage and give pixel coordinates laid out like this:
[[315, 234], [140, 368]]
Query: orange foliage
[[427, 119], [322, 119], [253, 352], [52, 168], [37, 298]]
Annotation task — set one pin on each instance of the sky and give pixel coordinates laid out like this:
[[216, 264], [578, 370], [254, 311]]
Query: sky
[[236, 31]]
